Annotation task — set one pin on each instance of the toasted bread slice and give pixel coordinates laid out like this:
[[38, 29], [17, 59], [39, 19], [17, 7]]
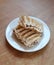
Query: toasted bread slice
[[27, 36], [30, 23]]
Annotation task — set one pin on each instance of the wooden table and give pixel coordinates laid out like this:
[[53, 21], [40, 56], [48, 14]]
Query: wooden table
[[10, 9]]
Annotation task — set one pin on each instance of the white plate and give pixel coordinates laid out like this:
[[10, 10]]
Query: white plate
[[15, 44]]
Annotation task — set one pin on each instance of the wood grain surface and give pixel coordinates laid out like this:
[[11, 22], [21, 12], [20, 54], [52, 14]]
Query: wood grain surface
[[10, 9]]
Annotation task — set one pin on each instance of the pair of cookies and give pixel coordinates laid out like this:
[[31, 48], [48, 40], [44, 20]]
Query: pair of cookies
[[29, 31]]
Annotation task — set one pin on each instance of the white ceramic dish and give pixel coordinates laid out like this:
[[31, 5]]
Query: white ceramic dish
[[15, 44]]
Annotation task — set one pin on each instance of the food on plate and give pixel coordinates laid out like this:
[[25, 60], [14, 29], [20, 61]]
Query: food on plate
[[29, 31]]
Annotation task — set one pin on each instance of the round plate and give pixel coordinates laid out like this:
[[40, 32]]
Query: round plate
[[17, 45]]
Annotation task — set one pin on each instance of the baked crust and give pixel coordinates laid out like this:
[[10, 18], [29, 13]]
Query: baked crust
[[27, 36], [30, 23]]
